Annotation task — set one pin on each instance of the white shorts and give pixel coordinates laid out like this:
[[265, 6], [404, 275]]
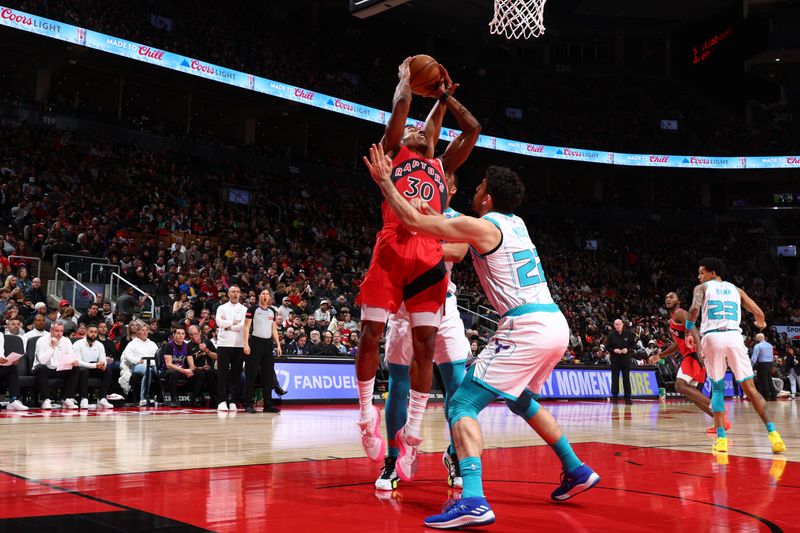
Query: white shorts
[[522, 353], [687, 378], [451, 343], [380, 314], [722, 349]]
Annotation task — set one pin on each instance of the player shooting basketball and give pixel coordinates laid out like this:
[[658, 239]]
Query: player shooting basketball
[[407, 267]]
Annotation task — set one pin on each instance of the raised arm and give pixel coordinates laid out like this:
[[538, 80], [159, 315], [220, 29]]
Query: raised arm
[[481, 234], [459, 148], [698, 296], [750, 305], [401, 104], [433, 124]]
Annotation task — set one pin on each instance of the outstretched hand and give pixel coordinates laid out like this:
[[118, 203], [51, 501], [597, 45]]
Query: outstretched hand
[[379, 164]]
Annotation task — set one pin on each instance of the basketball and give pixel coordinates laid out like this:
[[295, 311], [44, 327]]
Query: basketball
[[425, 74]]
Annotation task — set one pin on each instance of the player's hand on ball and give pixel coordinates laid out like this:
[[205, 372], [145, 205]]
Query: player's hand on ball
[[379, 164], [404, 70]]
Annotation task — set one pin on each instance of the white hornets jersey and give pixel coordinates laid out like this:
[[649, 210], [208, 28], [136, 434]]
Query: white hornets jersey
[[512, 275], [722, 308], [451, 287]]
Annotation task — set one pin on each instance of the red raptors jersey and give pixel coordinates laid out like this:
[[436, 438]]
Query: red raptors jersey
[[416, 177], [679, 335]]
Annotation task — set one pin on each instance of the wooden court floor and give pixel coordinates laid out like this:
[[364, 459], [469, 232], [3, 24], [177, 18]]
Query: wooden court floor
[[197, 470]]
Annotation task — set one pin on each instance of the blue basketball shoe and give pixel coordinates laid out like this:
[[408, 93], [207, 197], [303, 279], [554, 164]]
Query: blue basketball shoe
[[574, 482], [465, 512]]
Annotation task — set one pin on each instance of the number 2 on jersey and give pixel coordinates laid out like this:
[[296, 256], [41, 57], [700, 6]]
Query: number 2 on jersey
[[529, 273], [719, 310]]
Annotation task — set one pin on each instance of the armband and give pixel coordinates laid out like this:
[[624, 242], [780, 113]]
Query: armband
[[444, 97], [689, 325]]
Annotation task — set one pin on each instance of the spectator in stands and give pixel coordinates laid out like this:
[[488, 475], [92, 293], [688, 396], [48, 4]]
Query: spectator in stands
[[37, 330], [67, 319], [50, 318], [285, 309], [325, 347], [354, 336], [93, 363], [347, 321], [63, 305], [156, 335], [201, 358], [112, 354], [322, 316], [299, 346], [92, 315], [314, 339], [128, 304], [40, 308], [24, 283], [123, 335], [55, 358], [14, 292], [287, 338], [14, 327], [206, 318], [181, 306], [134, 360], [9, 376], [311, 325], [176, 366], [36, 292], [341, 349], [108, 314]]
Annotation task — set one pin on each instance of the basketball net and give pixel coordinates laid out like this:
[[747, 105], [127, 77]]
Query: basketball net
[[518, 19]]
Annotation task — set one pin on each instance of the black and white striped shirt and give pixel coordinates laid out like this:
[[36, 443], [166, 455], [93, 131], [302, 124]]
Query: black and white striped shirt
[[262, 318]]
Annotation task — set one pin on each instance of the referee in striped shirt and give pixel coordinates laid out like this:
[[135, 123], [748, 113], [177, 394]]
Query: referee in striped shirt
[[258, 347]]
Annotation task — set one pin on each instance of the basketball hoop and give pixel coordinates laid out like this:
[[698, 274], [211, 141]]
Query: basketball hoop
[[518, 19]]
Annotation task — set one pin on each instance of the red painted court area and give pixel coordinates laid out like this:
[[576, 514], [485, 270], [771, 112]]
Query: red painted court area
[[642, 489]]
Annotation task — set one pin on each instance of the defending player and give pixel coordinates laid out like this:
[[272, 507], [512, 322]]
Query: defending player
[[450, 355], [407, 267], [722, 344], [691, 374], [531, 337]]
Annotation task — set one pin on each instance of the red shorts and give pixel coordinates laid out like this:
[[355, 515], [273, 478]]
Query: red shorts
[[691, 370], [405, 268]]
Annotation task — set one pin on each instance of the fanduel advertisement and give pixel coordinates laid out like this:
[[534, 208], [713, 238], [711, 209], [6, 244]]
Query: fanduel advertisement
[[317, 381], [596, 383], [141, 52]]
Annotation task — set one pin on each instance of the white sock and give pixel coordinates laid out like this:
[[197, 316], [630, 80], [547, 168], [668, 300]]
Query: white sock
[[365, 389], [416, 408]]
